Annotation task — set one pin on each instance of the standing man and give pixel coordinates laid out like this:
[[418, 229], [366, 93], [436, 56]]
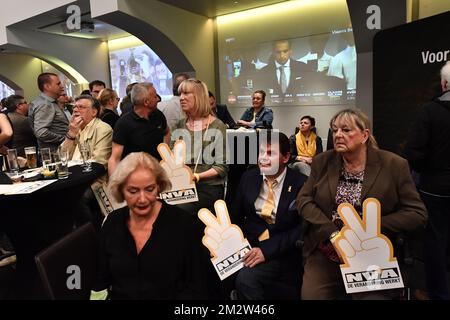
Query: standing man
[[428, 153], [283, 75], [172, 108], [95, 87], [141, 129], [48, 120], [266, 203]]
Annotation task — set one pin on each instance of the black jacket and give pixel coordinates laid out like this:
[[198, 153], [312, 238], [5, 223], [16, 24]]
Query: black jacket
[[428, 147], [224, 115], [285, 231]]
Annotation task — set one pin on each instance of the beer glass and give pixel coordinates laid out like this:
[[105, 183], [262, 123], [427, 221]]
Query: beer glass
[[12, 161], [46, 156], [62, 165], [30, 154], [86, 155]]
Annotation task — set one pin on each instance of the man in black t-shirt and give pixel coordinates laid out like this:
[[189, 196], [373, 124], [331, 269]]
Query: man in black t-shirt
[[140, 130]]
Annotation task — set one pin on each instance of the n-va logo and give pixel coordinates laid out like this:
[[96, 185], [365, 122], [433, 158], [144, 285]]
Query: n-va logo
[[389, 273], [177, 194], [233, 259]]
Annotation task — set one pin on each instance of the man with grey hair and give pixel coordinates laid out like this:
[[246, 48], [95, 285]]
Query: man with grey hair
[[141, 129], [428, 153], [172, 108]]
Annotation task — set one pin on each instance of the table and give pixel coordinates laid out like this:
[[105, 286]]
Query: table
[[35, 221]]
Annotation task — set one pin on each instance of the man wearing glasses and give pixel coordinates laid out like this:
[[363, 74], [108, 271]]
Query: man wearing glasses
[[86, 128]]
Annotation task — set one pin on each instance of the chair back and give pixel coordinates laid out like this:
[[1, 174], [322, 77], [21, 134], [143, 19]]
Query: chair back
[[68, 267]]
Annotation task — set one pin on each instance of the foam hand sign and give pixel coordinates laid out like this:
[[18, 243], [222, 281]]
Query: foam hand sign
[[224, 240], [368, 254], [183, 188]]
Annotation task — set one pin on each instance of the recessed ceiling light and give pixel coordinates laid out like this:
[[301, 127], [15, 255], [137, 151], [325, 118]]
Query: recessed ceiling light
[[236, 2]]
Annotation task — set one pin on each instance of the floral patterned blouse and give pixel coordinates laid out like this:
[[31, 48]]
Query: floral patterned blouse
[[348, 190]]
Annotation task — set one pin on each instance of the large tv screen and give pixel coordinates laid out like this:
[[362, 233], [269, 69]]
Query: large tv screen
[[314, 70], [139, 64], [298, 53]]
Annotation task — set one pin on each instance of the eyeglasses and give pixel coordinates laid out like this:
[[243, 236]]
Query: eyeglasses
[[79, 107]]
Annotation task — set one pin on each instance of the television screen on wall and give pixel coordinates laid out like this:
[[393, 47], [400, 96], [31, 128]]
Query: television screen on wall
[[139, 63], [303, 55], [316, 70]]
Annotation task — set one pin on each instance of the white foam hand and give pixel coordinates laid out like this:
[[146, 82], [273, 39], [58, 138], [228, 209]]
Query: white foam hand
[[173, 163], [360, 243], [221, 237]]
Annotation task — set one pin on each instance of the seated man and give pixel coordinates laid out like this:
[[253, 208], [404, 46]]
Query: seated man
[[266, 201], [85, 126]]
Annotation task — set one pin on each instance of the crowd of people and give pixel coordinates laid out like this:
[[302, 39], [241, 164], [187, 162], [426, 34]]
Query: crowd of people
[[286, 204]]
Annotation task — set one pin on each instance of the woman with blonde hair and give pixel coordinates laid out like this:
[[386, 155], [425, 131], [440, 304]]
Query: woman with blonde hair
[[109, 100], [147, 249], [354, 171], [206, 158]]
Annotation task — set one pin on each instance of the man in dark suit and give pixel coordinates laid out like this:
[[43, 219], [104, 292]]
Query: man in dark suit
[[221, 111], [283, 75], [266, 204]]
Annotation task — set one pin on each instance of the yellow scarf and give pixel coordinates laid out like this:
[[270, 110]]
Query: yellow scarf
[[306, 149]]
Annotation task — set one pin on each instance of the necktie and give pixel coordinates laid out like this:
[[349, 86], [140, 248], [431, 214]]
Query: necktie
[[269, 205], [283, 80]]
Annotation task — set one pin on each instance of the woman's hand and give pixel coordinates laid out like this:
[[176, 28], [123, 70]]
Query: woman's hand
[[245, 123]]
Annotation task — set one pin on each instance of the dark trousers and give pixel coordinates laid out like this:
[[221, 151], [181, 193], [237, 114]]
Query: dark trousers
[[436, 245], [268, 280], [89, 211]]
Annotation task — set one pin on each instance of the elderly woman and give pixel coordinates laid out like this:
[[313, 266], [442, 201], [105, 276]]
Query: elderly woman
[[146, 248], [109, 100], [305, 145], [206, 157], [258, 115], [354, 171]]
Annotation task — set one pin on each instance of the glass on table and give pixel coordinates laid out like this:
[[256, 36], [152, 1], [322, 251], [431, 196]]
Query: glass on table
[[62, 165], [47, 162], [46, 156], [30, 154], [86, 155], [12, 161]]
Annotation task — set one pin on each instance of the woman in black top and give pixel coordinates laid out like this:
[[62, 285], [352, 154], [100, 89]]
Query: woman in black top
[[147, 249], [109, 100]]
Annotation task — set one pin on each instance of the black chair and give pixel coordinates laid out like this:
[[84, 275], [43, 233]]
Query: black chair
[[68, 267]]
